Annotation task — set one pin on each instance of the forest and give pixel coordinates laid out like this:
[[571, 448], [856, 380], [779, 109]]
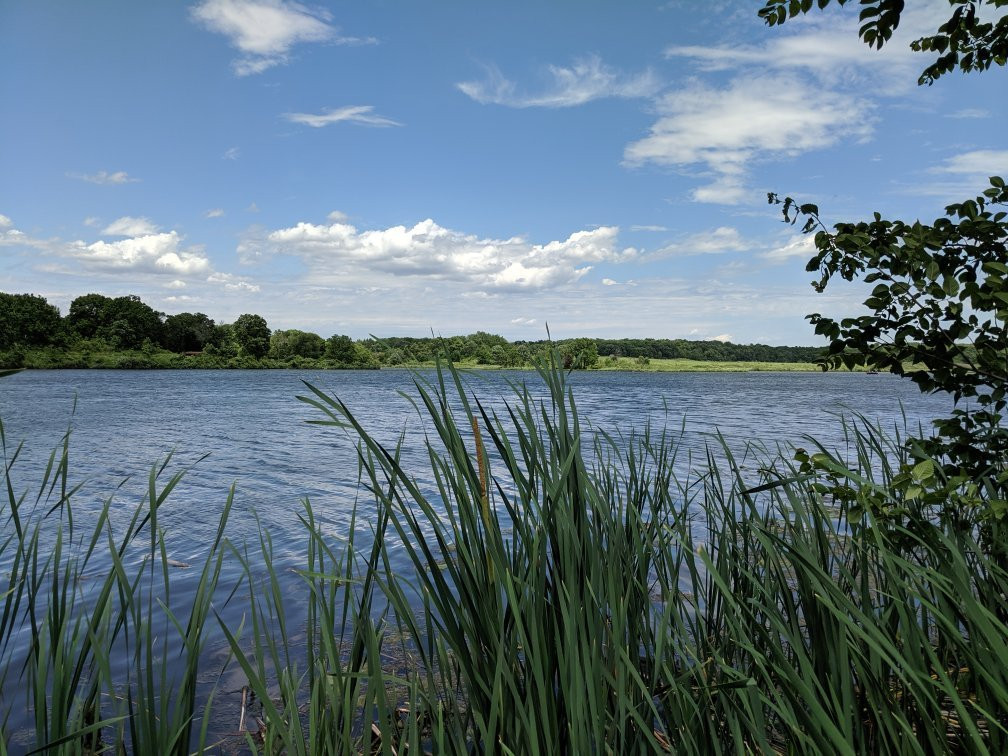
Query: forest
[[125, 332]]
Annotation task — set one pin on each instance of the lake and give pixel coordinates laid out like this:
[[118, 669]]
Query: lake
[[257, 438]]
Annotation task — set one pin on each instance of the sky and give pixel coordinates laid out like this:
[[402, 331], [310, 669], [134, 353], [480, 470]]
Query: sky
[[407, 168]]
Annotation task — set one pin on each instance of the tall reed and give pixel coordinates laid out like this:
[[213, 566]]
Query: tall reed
[[600, 604], [88, 635], [566, 592]]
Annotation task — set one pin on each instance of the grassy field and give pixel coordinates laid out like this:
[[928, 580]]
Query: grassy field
[[703, 366]]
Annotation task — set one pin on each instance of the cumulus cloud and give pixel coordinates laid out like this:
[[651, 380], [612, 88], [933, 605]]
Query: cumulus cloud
[[130, 226], [725, 130], [154, 253], [5, 222], [104, 177], [585, 80], [265, 31], [361, 114], [429, 250]]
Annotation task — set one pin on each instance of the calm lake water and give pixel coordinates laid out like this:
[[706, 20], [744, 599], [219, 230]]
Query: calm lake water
[[256, 435]]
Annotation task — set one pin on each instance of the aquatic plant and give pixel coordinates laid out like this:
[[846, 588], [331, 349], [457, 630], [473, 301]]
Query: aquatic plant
[[566, 592]]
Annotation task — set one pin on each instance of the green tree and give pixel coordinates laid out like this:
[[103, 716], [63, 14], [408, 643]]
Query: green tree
[[295, 343], [189, 332], [340, 348], [27, 320], [88, 315], [580, 354], [939, 306], [252, 335], [131, 322]]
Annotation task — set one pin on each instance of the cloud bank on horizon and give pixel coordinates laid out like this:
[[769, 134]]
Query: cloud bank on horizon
[[602, 169]]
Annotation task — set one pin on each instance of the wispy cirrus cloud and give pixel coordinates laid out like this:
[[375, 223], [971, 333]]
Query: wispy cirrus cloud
[[586, 79], [717, 241], [265, 31], [428, 250], [359, 114], [827, 47], [105, 177], [975, 163], [129, 226], [962, 175], [798, 245], [231, 282]]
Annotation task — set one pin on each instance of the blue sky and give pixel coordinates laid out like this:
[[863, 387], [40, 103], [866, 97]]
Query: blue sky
[[397, 168]]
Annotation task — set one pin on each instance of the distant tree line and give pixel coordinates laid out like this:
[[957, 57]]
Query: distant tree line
[[33, 333], [97, 324]]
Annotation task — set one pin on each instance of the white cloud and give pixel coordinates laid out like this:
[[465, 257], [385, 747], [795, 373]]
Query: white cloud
[[129, 226], [585, 80], [723, 338], [155, 253], [176, 284], [231, 153], [963, 175], [215, 213], [523, 321], [361, 114], [430, 250], [5, 222], [264, 31], [969, 113], [798, 245], [716, 241], [337, 216], [754, 118], [976, 163], [91, 221], [648, 228], [232, 282], [826, 46], [104, 177]]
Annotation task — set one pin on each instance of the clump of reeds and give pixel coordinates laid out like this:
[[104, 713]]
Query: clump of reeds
[[574, 596], [568, 593], [94, 655]]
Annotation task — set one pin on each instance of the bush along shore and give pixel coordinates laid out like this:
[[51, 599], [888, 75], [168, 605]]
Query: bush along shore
[[568, 594]]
